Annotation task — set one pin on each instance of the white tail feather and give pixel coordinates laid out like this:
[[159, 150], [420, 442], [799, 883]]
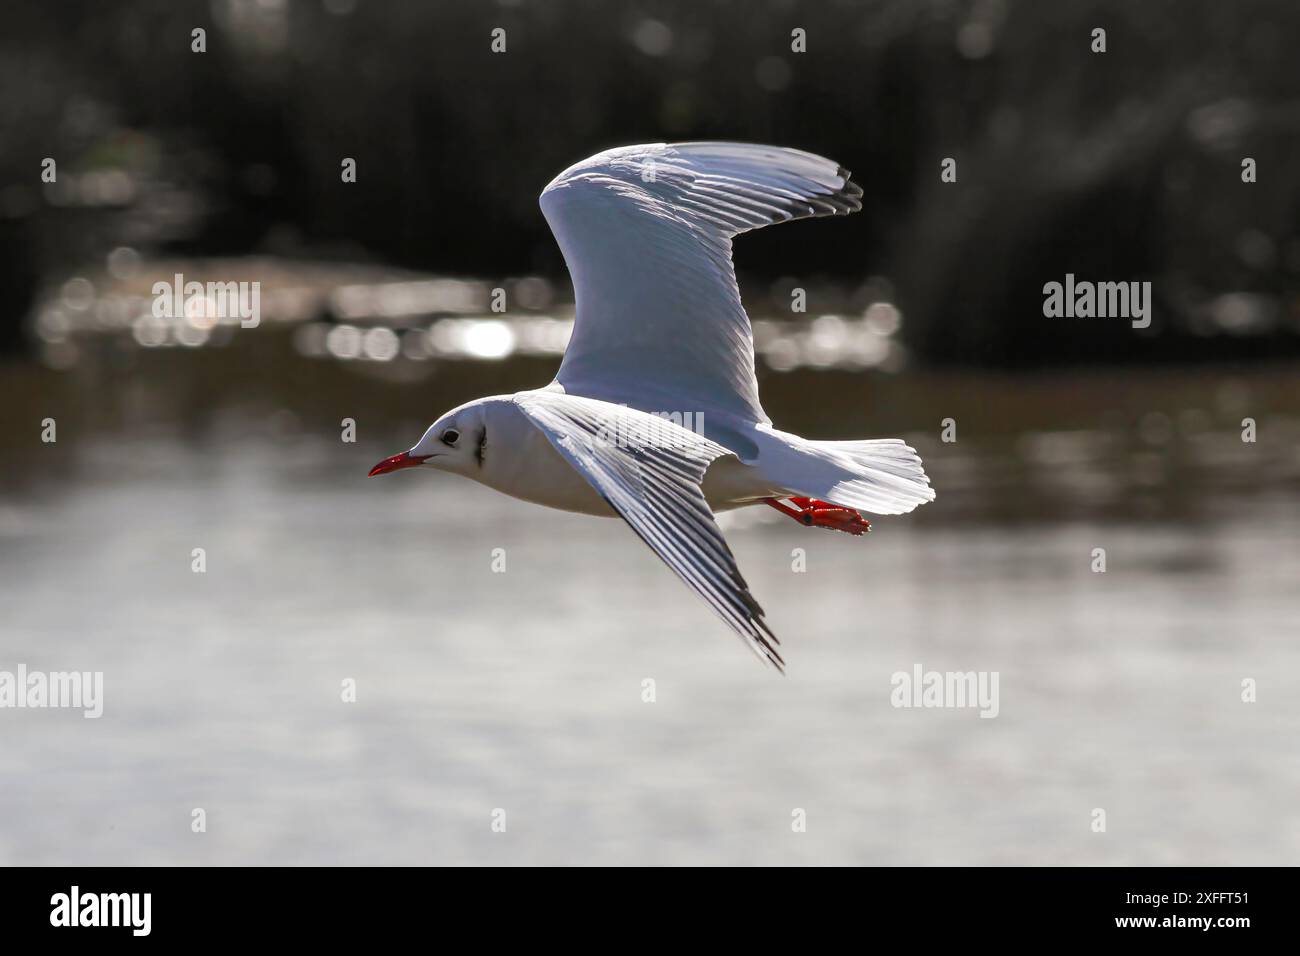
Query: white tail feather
[[882, 476]]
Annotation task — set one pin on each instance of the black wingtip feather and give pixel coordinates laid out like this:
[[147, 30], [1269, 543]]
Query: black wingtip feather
[[842, 202], [850, 194]]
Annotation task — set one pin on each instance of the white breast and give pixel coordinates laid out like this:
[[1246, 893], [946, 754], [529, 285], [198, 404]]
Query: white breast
[[521, 462]]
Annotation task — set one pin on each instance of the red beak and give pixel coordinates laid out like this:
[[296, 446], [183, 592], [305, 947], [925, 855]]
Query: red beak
[[397, 463]]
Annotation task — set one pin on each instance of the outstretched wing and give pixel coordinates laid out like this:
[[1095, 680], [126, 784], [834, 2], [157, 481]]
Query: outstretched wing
[[649, 470], [646, 233]]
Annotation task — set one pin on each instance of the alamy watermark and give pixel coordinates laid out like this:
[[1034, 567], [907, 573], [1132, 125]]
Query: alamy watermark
[[81, 690], [651, 430], [946, 689], [1100, 300], [213, 300], [75, 908]]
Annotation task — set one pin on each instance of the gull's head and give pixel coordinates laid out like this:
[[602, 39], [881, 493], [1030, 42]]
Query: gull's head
[[455, 442]]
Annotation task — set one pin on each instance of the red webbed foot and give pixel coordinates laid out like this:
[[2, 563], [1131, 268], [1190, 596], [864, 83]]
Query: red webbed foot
[[822, 514]]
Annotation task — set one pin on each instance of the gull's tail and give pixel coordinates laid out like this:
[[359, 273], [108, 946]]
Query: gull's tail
[[882, 476]]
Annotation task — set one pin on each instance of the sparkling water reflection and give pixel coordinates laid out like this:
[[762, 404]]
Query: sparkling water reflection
[[522, 690]]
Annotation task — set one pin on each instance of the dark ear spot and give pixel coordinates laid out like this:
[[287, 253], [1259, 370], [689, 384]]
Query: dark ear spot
[[481, 447]]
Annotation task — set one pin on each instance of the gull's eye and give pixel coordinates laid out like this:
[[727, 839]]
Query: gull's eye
[[450, 436]]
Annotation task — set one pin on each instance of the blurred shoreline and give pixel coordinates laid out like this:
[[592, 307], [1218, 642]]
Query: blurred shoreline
[[1166, 445], [391, 350]]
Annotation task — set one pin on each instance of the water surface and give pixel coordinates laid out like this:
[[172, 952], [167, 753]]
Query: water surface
[[523, 690]]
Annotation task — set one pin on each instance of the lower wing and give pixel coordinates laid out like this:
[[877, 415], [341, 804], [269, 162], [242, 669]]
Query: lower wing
[[649, 470]]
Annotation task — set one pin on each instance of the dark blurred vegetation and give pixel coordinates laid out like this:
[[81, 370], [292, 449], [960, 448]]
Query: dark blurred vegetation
[[1117, 166]]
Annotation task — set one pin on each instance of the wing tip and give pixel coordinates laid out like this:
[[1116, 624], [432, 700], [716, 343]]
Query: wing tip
[[770, 654], [822, 192], [843, 200], [850, 194]]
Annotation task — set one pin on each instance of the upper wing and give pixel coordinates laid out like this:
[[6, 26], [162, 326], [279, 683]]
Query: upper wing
[[646, 233], [649, 471]]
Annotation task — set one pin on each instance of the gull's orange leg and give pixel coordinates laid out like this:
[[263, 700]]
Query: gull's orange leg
[[822, 514]]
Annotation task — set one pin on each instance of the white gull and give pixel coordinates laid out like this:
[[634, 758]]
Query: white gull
[[654, 414]]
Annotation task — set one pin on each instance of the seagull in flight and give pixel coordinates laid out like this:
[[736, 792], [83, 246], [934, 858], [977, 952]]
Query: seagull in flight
[[654, 415]]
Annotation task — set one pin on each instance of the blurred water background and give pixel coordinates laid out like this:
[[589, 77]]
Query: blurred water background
[[523, 690]]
